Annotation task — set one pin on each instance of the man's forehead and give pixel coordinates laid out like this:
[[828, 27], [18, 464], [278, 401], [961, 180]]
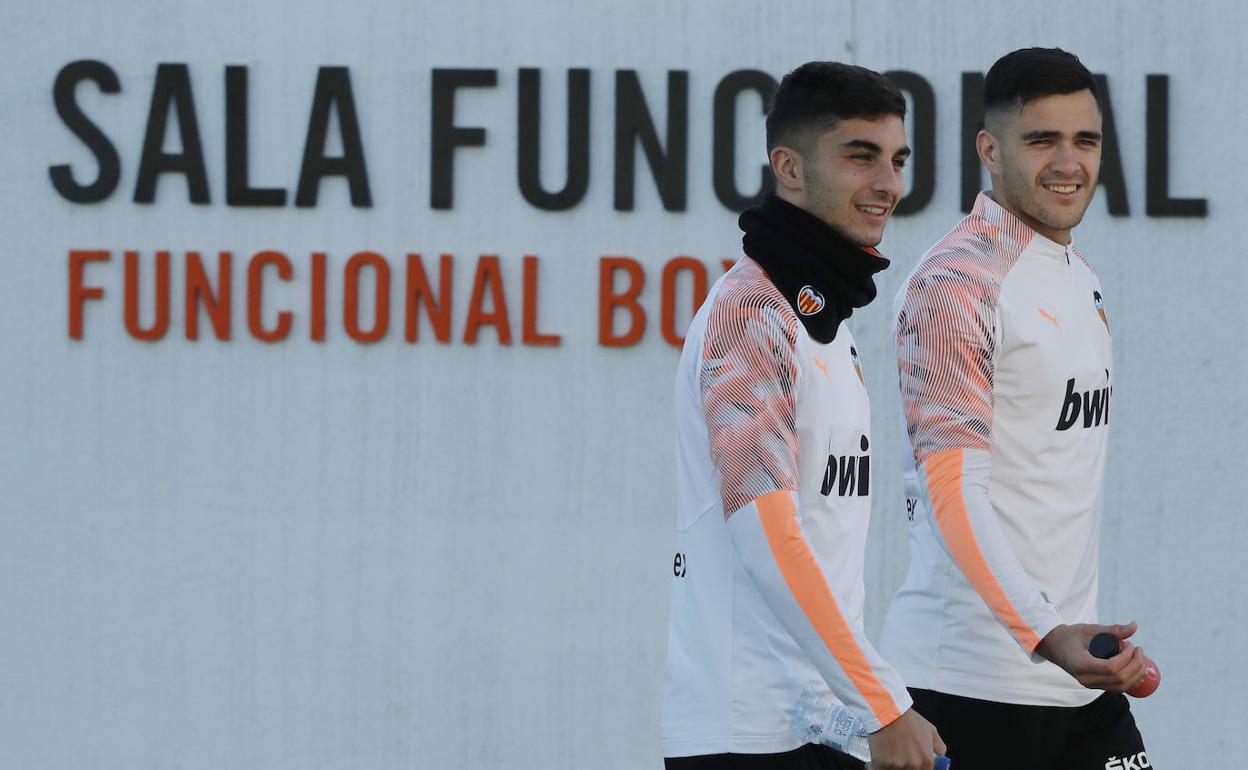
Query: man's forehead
[[887, 131], [1072, 112]]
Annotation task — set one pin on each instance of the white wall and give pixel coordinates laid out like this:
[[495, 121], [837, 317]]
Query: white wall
[[329, 555]]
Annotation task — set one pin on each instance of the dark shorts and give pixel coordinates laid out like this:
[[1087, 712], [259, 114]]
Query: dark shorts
[[985, 735], [812, 756]]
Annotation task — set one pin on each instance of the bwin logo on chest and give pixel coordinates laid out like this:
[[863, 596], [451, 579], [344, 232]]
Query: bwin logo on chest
[[1093, 405], [850, 475]]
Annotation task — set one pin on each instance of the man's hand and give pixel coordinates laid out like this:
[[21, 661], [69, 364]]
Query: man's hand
[[1067, 647], [907, 743]]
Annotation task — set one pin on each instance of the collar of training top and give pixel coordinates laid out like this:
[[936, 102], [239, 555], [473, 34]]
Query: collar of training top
[[823, 275]]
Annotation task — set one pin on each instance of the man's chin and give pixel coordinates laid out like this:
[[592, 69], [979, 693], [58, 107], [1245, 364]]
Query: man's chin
[[868, 240], [1064, 220], [1066, 217]]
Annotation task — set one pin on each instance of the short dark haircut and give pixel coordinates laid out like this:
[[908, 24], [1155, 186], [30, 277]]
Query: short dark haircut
[[1031, 73], [816, 96]]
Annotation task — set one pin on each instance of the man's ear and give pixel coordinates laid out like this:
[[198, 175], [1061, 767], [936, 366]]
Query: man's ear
[[786, 165], [989, 150]]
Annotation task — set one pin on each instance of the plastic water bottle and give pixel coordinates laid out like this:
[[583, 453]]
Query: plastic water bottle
[[1105, 646], [820, 719]]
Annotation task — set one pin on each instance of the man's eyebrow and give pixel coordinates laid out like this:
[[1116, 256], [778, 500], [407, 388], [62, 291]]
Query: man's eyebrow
[[1032, 136], [862, 144]]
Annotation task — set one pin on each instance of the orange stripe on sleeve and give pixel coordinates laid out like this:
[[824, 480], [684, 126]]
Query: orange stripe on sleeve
[[944, 483], [810, 588]]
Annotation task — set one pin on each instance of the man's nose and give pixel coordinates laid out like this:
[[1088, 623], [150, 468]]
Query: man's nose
[[1064, 160], [889, 179]]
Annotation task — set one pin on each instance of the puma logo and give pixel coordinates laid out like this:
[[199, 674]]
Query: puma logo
[[1046, 315], [822, 367]]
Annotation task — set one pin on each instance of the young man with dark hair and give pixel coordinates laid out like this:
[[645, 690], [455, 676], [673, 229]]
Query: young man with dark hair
[[1003, 347], [773, 454]]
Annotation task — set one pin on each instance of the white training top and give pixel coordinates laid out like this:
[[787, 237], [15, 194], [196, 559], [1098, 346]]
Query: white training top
[[1003, 348], [774, 473]]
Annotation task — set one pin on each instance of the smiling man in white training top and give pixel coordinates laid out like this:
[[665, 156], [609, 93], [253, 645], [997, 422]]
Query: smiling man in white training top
[[774, 454], [1003, 347]]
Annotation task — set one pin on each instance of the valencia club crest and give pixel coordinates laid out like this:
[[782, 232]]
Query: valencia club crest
[[853, 356], [809, 301], [1100, 308]]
